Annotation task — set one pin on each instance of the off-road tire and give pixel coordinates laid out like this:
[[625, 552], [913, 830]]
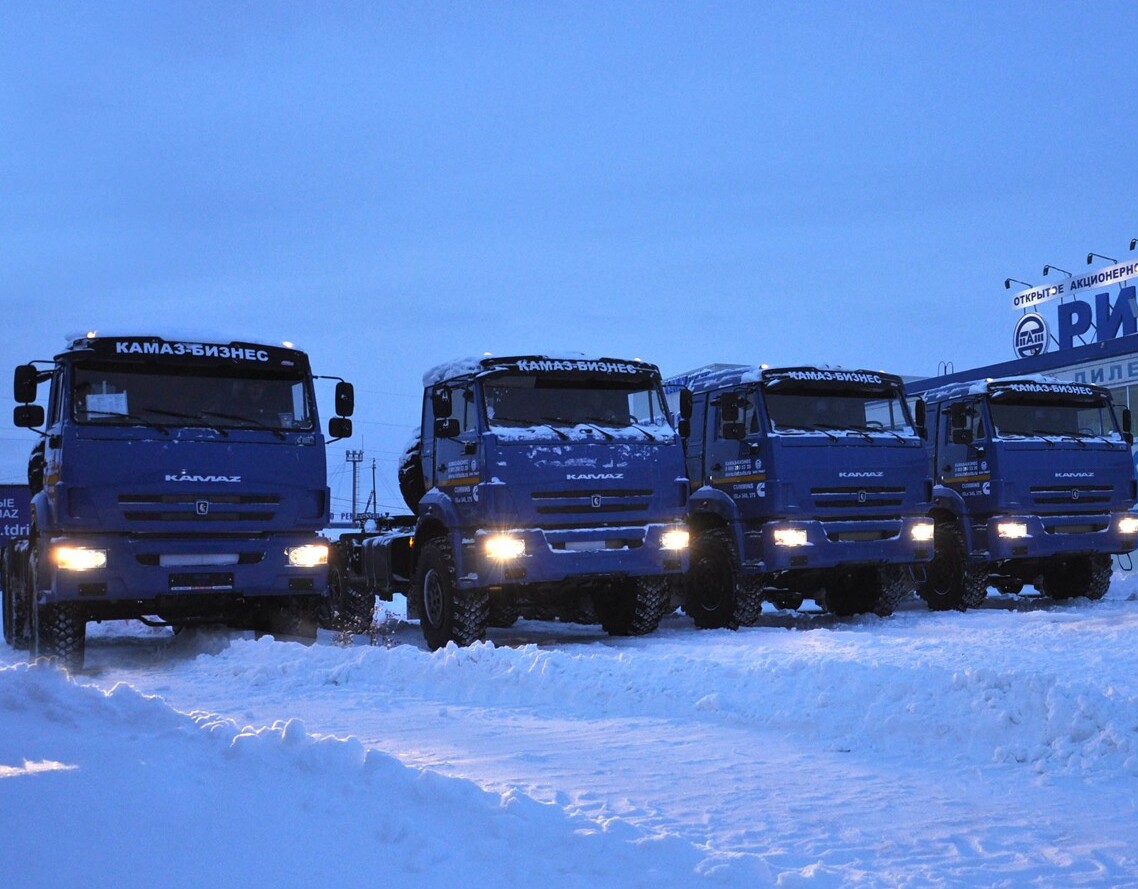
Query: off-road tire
[[17, 632], [447, 613], [347, 608], [712, 583], [633, 608], [1077, 576], [894, 586], [61, 630], [951, 582]]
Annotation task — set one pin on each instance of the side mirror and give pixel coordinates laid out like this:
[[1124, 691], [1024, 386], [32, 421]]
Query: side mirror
[[25, 383], [1127, 427], [735, 431], [729, 408], [446, 427], [339, 427], [685, 404], [27, 416], [440, 403], [345, 399], [920, 419], [683, 427], [961, 436]]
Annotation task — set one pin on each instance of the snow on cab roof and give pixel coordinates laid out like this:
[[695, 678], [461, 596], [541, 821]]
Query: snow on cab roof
[[984, 385], [716, 376], [546, 362]]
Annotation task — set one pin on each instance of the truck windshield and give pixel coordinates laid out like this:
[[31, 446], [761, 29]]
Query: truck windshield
[[570, 400], [132, 395], [1019, 417], [803, 408]]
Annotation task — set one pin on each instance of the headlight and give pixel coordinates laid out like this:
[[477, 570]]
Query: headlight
[[79, 558], [503, 547], [789, 537], [308, 556], [1011, 529], [675, 538], [922, 532], [1128, 524]]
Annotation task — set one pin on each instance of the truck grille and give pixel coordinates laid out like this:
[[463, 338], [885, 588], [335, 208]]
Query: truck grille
[[868, 500], [185, 507], [1071, 496], [592, 502]]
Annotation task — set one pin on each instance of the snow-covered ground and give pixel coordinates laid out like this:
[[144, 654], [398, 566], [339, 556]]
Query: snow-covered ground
[[993, 748]]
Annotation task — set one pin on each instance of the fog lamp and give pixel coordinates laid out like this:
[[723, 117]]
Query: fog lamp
[[308, 556], [1011, 530], [504, 547], [922, 532], [675, 538], [79, 558], [790, 537]]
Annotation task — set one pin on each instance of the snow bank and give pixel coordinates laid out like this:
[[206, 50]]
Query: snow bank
[[118, 789]]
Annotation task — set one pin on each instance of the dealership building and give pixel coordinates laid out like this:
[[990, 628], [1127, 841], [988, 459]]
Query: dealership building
[[1082, 328]]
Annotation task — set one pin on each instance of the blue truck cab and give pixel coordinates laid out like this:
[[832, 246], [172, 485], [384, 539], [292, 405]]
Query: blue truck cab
[[1034, 485], [175, 482], [808, 482], [542, 487]]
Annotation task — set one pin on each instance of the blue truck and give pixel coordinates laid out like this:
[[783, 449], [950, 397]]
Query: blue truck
[[543, 487], [808, 482], [1034, 485], [173, 482]]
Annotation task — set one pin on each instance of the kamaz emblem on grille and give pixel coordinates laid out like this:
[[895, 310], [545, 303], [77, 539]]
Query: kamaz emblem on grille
[[232, 479], [201, 507], [593, 476], [596, 501], [861, 475], [861, 495], [1074, 493]]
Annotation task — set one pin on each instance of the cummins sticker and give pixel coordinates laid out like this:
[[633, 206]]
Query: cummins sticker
[[1030, 338]]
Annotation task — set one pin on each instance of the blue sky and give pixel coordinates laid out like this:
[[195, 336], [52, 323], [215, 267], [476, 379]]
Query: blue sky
[[392, 185]]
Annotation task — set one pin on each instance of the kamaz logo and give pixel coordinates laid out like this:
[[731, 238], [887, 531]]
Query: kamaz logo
[[232, 479], [594, 476], [1074, 475], [861, 475]]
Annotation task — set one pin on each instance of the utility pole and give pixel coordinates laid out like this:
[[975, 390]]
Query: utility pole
[[355, 458]]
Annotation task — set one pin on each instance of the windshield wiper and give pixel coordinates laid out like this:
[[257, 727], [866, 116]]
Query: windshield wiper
[[218, 429], [252, 421]]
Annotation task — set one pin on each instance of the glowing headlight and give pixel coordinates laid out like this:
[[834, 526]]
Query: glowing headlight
[[308, 556], [675, 538], [789, 537], [78, 558], [504, 547], [1128, 524], [922, 532], [1011, 529]]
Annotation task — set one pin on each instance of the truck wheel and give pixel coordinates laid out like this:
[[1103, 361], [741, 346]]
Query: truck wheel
[[712, 581], [749, 596], [16, 630], [352, 610], [634, 607], [1077, 576], [62, 634], [447, 613], [894, 585], [950, 581]]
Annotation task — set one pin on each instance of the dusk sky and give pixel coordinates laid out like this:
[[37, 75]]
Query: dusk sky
[[393, 185]]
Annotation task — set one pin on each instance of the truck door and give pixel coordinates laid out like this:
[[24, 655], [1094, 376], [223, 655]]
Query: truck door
[[456, 463], [733, 465], [962, 462]]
